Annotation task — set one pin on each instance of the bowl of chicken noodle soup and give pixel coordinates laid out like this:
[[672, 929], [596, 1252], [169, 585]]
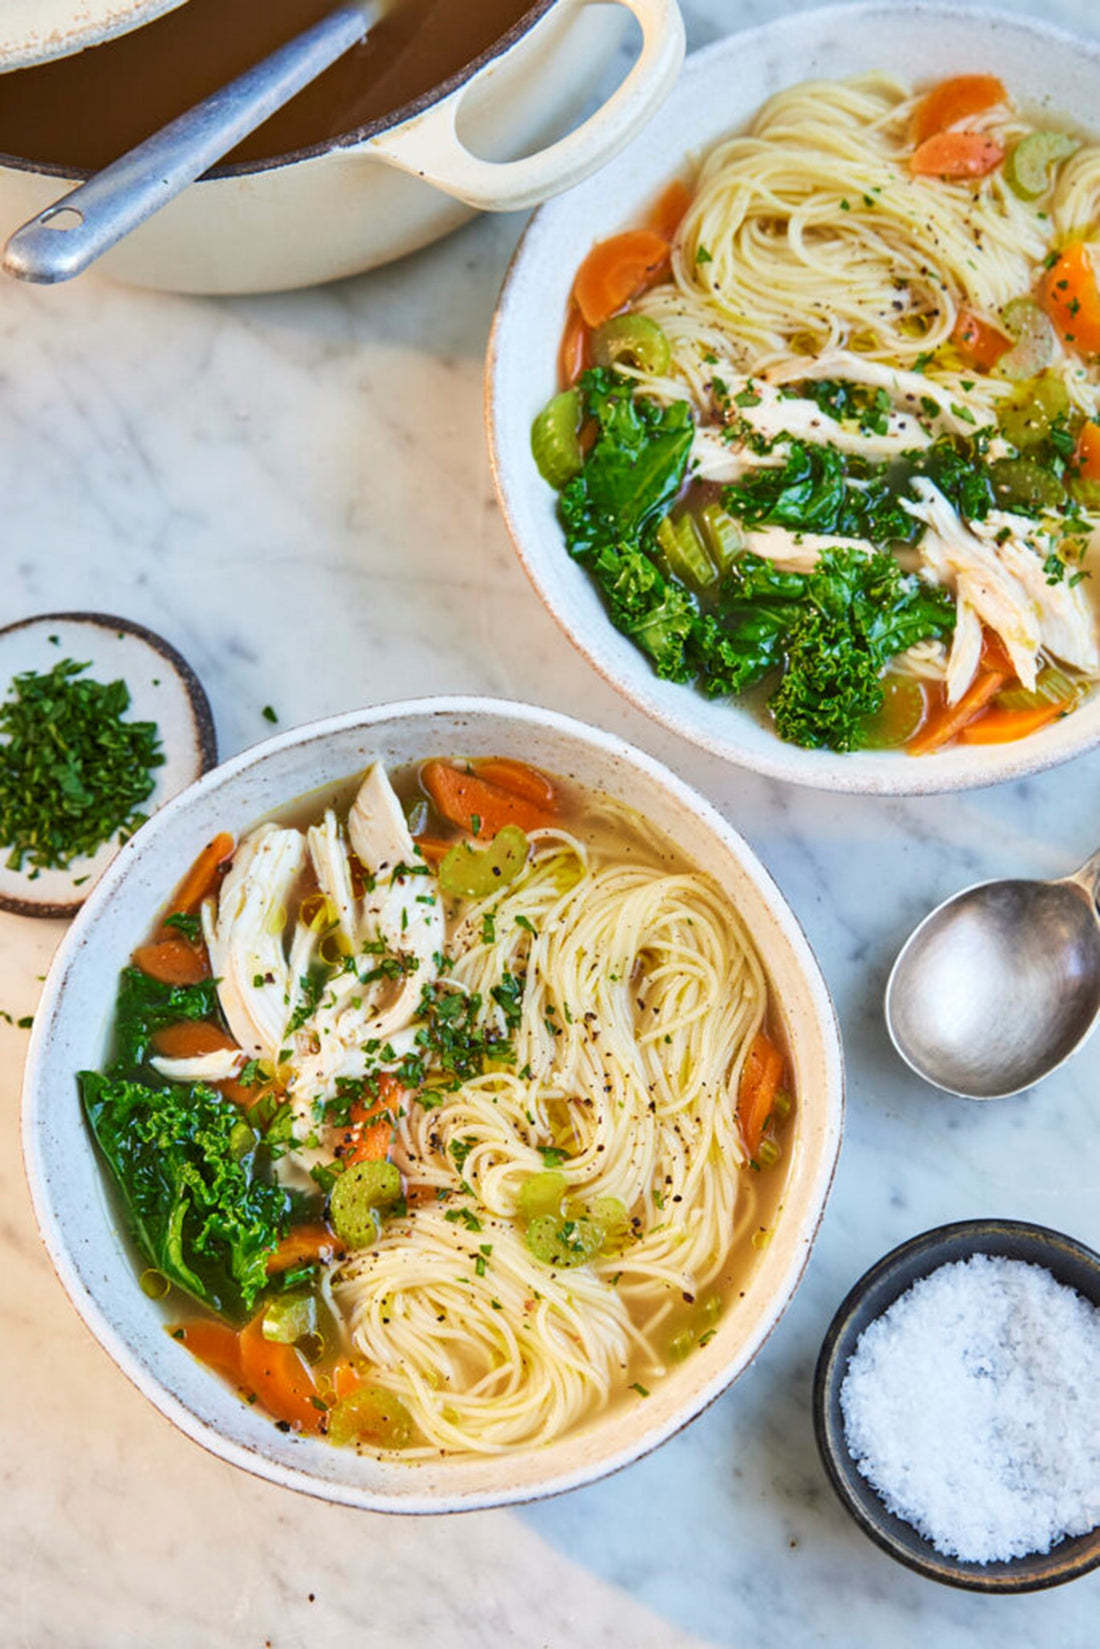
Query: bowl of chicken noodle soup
[[433, 1107], [798, 434]]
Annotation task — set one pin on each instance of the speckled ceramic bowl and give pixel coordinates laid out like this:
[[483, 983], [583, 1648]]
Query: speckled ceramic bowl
[[1073, 1265], [80, 1224], [718, 92]]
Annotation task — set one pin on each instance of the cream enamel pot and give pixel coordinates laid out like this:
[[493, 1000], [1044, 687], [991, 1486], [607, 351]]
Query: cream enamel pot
[[374, 195], [81, 1225]]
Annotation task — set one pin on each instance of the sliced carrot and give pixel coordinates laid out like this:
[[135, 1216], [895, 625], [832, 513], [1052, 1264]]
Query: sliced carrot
[[190, 1039], [199, 882], [956, 154], [477, 806], [1071, 298], [981, 344], [280, 1378], [173, 962], [1086, 456], [996, 726], [301, 1246], [434, 849], [575, 355], [617, 270], [760, 1078], [520, 779], [370, 1135], [959, 98], [945, 722], [668, 209], [214, 1344]]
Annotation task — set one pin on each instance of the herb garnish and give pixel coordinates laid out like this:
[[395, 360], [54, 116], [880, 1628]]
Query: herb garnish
[[72, 770]]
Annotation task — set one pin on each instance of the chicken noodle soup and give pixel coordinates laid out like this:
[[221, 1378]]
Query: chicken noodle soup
[[457, 1099], [831, 430]]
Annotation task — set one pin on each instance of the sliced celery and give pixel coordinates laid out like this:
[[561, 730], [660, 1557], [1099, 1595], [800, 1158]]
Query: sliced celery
[[370, 1414], [1026, 419], [542, 1194], [469, 872], [722, 536], [555, 443], [1022, 483], [358, 1194], [1052, 687], [681, 544], [290, 1317], [898, 717], [634, 339], [1036, 345], [1027, 169], [563, 1243]]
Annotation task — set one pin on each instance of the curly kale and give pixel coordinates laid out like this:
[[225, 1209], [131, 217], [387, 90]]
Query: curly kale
[[829, 633], [189, 1169]]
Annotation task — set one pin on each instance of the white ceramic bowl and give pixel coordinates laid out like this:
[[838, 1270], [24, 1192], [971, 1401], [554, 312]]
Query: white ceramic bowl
[[719, 91], [77, 1217]]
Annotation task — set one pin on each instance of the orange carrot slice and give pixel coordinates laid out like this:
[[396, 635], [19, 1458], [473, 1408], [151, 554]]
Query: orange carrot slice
[[760, 1078], [199, 882], [301, 1246], [956, 155], [575, 355], [617, 270], [280, 1378], [959, 98], [945, 722], [981, 344], [370, 1136], [190, 1039], [996, 726], [1086, 456], [1071, 298], [173, 962], [475, 805], [520, 779], [214, 1344]]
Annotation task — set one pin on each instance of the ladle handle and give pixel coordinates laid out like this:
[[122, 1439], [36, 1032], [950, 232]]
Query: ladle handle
[[71, 234], [1088, 877]]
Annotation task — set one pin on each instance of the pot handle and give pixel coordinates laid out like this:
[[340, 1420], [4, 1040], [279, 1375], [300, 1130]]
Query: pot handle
[[429, 146]]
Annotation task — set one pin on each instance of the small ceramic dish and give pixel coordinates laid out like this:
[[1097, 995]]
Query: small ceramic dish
[[163, 689], [82, 1227], [719, 92], [1071, 1264]]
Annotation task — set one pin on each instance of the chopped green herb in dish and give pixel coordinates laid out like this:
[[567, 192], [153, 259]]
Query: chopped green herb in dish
[[73, 770]]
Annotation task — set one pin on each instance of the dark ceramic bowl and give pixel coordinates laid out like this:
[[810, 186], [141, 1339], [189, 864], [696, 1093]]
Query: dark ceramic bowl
[[1070, 1263]]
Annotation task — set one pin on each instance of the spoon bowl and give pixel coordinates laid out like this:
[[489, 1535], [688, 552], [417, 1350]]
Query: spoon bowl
[[999, 985]]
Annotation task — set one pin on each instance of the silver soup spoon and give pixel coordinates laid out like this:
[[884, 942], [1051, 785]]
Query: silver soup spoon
[[1000, 984]]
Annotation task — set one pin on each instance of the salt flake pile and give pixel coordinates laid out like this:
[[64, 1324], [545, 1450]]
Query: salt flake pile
[[972, 1406]]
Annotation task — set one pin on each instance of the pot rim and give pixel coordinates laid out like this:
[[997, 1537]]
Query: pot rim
[[360, 135]]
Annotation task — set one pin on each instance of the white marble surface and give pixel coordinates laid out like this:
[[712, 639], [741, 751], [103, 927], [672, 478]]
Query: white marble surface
[[295, 491]]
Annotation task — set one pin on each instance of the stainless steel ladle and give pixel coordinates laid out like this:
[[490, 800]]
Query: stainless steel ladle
[[999, 985]]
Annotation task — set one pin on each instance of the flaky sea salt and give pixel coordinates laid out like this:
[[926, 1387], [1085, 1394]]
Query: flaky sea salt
[[972, 1406]]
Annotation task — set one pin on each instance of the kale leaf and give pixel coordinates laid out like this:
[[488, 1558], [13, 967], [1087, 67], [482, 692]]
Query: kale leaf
[[820, 489], [190, 1171], [857, 612], [144, 1005], [634, 471]]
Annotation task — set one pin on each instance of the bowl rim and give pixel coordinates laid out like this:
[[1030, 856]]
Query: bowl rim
[[594, 1465], [1067, 1259], [870, 773]]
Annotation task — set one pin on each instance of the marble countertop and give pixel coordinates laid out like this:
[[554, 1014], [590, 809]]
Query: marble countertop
[[295, 491]]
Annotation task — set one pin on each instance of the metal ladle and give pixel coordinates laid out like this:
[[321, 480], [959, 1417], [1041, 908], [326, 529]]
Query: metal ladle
[[999, 985], [71, 234]]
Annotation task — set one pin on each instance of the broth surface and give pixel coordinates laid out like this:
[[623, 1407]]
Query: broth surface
[[82, 112]]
